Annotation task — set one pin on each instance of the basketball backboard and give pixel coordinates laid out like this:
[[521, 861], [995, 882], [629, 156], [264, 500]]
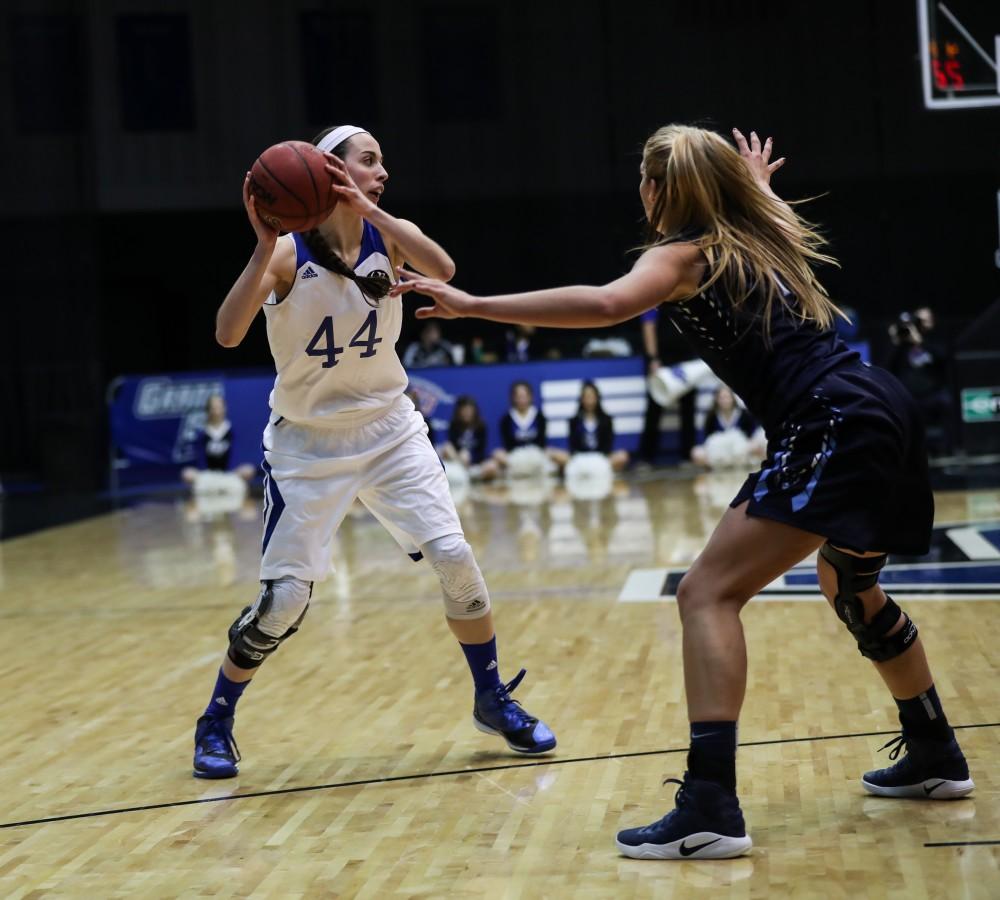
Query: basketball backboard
[[959, 52]]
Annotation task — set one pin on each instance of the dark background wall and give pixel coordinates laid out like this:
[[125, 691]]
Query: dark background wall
[[511, 133]]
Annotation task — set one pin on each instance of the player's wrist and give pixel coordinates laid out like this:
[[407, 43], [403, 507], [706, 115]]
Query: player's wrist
[[373, 213], [265, 248]]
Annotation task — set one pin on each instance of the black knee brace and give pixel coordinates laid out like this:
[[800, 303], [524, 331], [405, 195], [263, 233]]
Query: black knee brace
[[873, 640], [248, 645]]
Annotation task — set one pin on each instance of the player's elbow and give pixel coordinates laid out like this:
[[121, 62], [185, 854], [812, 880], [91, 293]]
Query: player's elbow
[[613, 307], [445, 269], [226, 338], [229, 331]]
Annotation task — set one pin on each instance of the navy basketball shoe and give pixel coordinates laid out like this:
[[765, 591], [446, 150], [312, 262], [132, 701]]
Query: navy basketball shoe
[[496, 713], [930, 770], [215, 752], [706, 823]]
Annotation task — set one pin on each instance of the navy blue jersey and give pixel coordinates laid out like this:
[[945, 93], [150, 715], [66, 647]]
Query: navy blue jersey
[[216, 443], [523, 430], [591, 435], [770, 372], [470, 438], [742, 420]]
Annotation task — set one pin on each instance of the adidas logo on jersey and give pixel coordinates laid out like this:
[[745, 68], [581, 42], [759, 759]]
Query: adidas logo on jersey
[[309, 272]]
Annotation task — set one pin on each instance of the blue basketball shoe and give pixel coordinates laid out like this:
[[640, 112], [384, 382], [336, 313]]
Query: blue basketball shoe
[[930, 770], [706, 823], [496, 713], [215, 752]]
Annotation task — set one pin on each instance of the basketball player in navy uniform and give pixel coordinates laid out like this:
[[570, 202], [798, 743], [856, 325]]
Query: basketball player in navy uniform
[[341, 428], [846, 471]]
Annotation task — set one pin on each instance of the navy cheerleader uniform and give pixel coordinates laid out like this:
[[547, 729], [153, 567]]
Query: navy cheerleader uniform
[[471, 438]]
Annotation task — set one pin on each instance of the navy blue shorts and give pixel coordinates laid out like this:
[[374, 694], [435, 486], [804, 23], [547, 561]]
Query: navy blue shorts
[[849, 464]]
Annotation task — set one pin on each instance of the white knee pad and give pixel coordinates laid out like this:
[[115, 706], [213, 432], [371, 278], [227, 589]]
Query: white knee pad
[[287, 608], [275, 616], [462, 584]]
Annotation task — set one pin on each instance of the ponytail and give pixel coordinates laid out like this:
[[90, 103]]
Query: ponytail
[[373, 289]]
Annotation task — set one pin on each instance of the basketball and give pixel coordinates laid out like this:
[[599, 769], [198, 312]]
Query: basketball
[[291, 187]]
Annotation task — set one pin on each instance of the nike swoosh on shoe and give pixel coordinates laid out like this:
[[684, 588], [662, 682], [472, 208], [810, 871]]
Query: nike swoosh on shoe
[[687, 851]]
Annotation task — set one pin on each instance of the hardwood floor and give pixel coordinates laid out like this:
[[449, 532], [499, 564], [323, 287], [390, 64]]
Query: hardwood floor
[[362, 775]]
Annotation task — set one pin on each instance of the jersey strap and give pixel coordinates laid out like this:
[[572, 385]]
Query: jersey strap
[[371, 242], [302, 252]]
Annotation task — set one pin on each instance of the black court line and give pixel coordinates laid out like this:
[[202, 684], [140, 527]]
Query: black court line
[[417, 776], [963, 844]]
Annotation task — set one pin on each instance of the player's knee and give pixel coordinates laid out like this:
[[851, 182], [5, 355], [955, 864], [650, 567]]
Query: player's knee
[[883, 634], [687, 594], [701, 591], [274, 617], [695, 594], [289, 602], [462, 584]]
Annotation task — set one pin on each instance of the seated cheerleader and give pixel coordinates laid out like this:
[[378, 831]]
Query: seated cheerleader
[[591, 430], [731, 437], [215, 444], [523, 426], [466, 442]]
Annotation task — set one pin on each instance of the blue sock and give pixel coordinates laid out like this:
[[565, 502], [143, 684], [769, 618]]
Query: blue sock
[[922, 716], [482, 659], [713, 752], [224, 697]]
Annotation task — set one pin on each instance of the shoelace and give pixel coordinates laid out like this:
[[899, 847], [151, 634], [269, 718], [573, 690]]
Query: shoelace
[[679, 797], [503, 692], [900, 741], [219, 738]]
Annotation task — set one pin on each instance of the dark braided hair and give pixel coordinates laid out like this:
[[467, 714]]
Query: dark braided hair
[[373, 288]]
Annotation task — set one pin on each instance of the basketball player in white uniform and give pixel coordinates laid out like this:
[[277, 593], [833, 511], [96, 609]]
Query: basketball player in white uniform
[[342, 428]]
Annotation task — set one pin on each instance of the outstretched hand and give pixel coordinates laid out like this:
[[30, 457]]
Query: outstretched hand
[[757, 157], [449, 302]]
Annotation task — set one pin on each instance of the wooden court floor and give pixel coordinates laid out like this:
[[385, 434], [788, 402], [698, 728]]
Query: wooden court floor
[[362, 775]]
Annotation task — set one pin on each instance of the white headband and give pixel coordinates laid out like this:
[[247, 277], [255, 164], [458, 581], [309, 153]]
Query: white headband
[[339, 134]]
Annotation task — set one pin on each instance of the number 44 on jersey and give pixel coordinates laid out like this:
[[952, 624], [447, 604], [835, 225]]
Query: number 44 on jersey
[[324, 344]]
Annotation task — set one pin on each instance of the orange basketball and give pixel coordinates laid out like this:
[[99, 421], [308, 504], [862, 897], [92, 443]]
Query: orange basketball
[[291, 187]]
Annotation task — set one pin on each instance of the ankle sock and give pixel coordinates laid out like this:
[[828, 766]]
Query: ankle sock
[[713, 752], [482, 660], [923, 717], [225, 697]]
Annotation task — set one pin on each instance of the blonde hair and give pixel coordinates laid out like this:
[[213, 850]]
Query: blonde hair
[[751, 239]]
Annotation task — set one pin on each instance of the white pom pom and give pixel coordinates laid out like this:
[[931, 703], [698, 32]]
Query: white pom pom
[[458, 480], [669, 383], [589, 476], [727, 449], [216, 493], [527, 462]]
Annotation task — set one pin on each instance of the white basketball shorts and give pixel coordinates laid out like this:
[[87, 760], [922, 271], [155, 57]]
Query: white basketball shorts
[[313, 475]]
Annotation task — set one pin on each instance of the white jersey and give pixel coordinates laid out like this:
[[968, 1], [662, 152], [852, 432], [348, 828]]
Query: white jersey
[[335, 352]]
